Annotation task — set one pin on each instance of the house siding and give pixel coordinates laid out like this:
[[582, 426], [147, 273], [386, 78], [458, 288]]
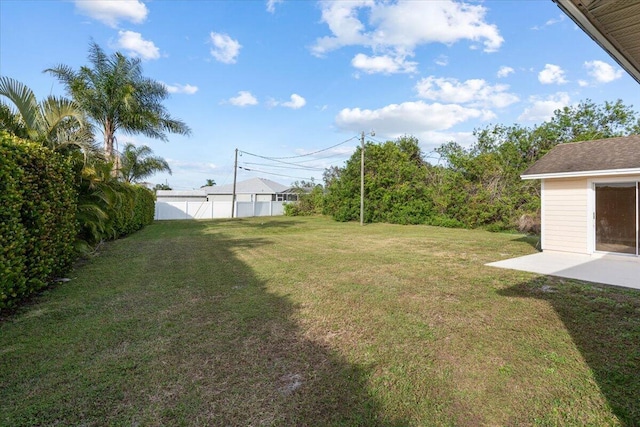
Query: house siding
[[565, 221]]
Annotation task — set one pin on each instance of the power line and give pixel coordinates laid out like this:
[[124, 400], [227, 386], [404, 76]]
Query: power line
[[327, 157], [272, 173], [310, 168], [302, 155]]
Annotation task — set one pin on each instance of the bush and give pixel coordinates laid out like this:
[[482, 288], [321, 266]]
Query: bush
[[309, 202], [37, 218], [443, 221], [133, 209], [529, 223]]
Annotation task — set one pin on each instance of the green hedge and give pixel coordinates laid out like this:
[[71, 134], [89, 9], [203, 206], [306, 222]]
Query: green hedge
[[37, 218], [135, 210]]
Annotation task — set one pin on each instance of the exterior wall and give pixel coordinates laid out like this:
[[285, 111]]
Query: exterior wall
[[215, 209], [220, 197], [172, 199], [565, 207]]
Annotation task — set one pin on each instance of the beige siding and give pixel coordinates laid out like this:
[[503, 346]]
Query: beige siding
[[564, 225]]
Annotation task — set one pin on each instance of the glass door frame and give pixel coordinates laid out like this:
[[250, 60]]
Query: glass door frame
[[591, 211]]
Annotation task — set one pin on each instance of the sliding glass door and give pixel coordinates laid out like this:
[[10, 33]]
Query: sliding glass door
[[616, 217]]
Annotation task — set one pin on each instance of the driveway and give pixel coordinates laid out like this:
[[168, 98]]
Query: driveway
[[609, 269]]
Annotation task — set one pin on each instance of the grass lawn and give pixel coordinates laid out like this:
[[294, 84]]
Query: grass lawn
[[305, 321]]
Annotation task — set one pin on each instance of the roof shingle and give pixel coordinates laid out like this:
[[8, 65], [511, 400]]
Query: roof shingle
[[597, 155]]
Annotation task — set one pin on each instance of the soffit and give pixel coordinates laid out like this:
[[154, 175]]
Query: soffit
[[613, 24]]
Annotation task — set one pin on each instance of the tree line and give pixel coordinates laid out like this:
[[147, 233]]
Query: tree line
[[476, 186]]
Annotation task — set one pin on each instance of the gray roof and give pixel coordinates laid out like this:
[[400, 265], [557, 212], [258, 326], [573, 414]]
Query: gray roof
[[249, 186], [598, 155]]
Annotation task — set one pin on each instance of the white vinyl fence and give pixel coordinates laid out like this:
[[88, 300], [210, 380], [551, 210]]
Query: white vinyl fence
[[215, 209]]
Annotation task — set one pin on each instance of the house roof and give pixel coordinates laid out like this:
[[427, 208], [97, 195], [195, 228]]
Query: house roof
[[611, 156], [613, 24], [249, 186]]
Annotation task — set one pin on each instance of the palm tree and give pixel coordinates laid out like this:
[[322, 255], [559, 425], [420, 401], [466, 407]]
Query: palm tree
[[116, 96], [210, 182], [10, 121], [55, 122], [138, 163]]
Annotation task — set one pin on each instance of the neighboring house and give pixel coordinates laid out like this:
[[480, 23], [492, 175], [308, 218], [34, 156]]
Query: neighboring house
[[590, 201], [251, 190], [254, 197]]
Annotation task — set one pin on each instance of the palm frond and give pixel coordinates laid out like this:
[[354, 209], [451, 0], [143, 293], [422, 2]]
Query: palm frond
[[25, 102]]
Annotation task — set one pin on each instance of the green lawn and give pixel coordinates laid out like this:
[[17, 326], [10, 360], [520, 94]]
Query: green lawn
[[305, 321]]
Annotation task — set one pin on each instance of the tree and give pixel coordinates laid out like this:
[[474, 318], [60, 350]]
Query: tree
[[481, 185], [117, 97], [57, 123], [138, 163], [161, 187], [587, 121], [395, 185], [210, 183], [310, 199], [10, 122]]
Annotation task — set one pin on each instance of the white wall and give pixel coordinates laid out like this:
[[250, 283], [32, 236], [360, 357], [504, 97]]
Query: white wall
[[564, 216], [215, 209]]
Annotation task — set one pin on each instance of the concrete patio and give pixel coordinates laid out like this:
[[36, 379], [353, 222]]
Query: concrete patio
[[606, 269]]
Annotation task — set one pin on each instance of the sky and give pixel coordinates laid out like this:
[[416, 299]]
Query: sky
[[292, 84]]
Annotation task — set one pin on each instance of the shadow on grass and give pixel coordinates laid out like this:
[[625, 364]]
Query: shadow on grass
[[531, 239], [604, 323], [182, 332], [257, 222]]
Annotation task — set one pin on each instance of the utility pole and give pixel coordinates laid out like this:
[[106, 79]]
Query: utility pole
[[372, 133], [362, 179], [235, 175]]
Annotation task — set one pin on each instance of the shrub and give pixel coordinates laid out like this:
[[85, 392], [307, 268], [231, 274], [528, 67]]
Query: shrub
[[37, 217], [443, 221], [529, 223], [310, 202], [134, 207]]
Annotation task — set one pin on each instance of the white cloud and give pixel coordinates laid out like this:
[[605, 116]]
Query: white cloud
[[602, 72], [504, 71], [383, 64], [136, 46], [225, 49], [188, 166], [542, 109], [178, 88], [583, 83], [557, 20], [552, 74], [550, 22], [475, 92], [271, 5], [400, 26], [408, 118], [296, 102], [110, 12], [243, 99], [442, 60]]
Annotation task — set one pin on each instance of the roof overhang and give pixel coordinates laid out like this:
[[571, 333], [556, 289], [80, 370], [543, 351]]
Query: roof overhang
[[582, 174], [613, 24]]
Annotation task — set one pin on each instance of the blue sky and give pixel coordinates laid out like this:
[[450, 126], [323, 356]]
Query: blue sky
[[285, 78]]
